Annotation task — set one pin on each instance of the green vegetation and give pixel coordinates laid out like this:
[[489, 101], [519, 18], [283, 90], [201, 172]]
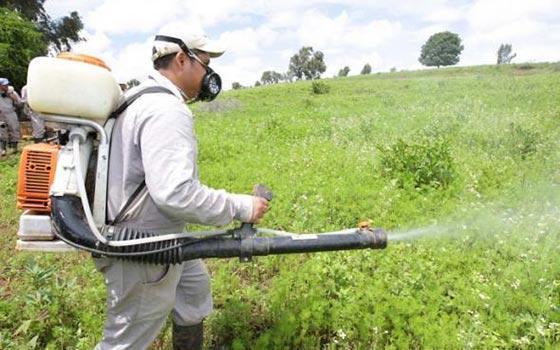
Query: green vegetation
[[271, 77], [306, 64], [425, 162], [27, 31], [505, 54], [441, 49], [366, 70], [320, 87], [490, 278], [344, 71], [20, 41], [59, 34]]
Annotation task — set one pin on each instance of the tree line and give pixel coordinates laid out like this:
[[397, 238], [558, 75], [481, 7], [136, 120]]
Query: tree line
[[27, 31], [306, 64], [444, 49], [441, 49]]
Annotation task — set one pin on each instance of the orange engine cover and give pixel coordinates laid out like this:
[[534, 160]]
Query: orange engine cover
[[36, 174]]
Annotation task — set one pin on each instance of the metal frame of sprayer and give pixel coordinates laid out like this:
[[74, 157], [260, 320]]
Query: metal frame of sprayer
[[75, 223]]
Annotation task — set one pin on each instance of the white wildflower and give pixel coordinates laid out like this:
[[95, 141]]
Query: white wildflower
[[483, 296], [340, 334], [540, 330]]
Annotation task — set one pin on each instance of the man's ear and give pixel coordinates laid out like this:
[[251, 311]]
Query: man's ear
[[182, 59]]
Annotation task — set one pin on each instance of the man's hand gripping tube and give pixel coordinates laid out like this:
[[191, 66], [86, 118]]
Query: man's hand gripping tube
[[247, 229]]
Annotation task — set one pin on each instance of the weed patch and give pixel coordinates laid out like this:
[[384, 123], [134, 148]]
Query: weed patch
[[523, 142], [423, 162], [525, 66], [320, 87]]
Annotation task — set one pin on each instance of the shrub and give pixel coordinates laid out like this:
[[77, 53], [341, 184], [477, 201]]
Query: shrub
[[426, 162], [525, 66], [523, 142], [319, 88]]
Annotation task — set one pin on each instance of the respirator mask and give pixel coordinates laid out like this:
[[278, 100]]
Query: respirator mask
[[211, 85], [211, 82]]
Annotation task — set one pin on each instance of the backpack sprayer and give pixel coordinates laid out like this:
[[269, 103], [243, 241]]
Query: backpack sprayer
[[63, 187]]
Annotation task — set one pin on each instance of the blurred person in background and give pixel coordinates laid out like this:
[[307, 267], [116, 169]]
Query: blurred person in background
[[9, 101], [37, 122]]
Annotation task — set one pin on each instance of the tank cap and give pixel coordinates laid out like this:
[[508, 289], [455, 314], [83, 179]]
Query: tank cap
[[83, 58]]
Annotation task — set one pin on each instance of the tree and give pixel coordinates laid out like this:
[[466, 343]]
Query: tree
[[307, 63], [288, 77], [366, 70], [441, 49], [271, 77], [63, 33], [20, 41], [236, 86], [344, 72], [504, 54], [60, 34], [257, 83]]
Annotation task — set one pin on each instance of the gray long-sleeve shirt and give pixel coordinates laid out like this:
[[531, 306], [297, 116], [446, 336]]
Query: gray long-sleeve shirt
[[154, 140], [8, 105]]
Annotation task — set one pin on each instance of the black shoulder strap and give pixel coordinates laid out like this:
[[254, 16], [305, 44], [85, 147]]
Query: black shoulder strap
[[129, 202], [116, 113], [149, 90]]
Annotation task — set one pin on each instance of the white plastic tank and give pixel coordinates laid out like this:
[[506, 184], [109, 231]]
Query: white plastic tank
[[72, 85]]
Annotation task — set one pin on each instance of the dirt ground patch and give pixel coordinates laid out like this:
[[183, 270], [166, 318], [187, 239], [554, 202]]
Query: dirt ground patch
[[221, 105]]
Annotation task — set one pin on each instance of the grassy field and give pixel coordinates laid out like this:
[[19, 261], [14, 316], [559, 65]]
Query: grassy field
[[465, 160]]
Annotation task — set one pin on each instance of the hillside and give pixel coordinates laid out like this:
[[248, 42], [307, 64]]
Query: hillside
[[463, 159]]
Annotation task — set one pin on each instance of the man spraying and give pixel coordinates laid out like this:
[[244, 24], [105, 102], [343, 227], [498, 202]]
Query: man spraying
[[154, 185]]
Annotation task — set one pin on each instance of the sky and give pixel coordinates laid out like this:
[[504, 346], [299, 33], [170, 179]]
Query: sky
[[261, 35]]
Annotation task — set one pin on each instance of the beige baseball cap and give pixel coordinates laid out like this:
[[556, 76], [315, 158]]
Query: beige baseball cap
[[165, 45]]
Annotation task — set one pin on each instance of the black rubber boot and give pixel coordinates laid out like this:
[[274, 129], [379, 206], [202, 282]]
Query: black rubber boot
[[188, 337]]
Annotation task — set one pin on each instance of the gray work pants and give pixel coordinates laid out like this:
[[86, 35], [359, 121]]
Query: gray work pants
[[10, 127], [140, 297], [12, 124], [3, 131]]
